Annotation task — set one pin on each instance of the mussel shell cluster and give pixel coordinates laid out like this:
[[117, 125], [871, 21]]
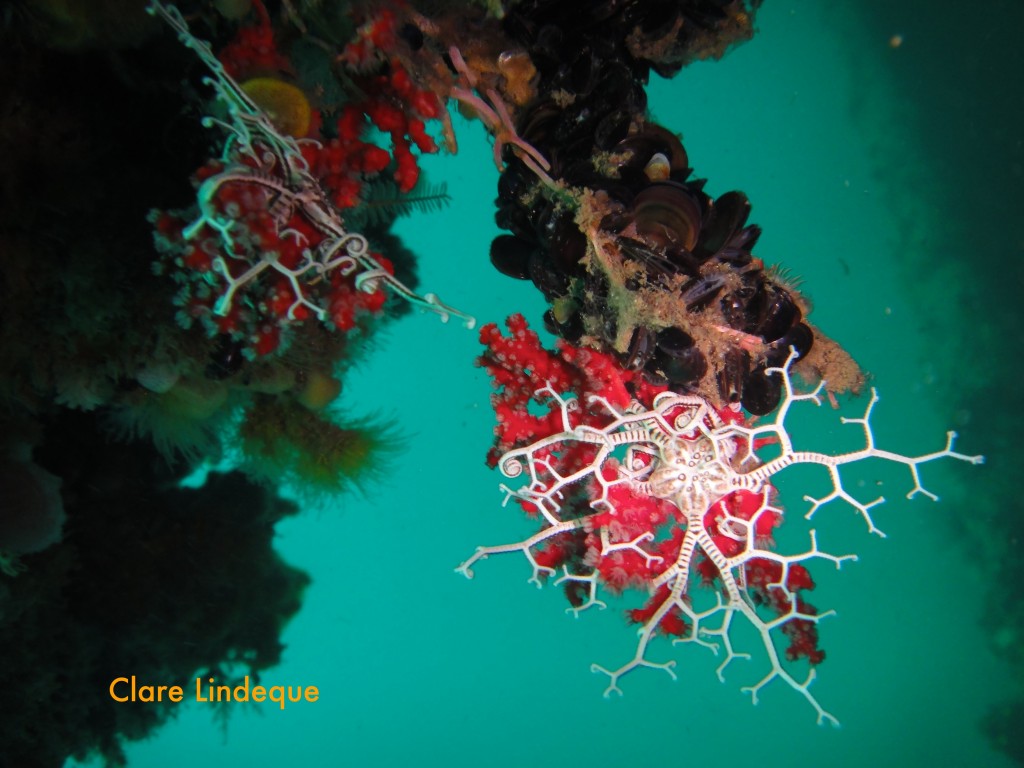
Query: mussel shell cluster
[[589, 121], [661, 35]]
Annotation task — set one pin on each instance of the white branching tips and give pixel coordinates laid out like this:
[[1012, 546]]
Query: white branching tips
[[672, 496], [776, 430], [263, 170]]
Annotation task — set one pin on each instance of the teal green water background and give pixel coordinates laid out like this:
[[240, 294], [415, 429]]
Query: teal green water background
[[862, 163]]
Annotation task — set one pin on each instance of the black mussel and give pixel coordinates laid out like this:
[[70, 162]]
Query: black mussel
[[701, 291], [736, 306], [226, 358], [637, 99], [574, 134], [735, 367], [580, 172], [617, 88], [665, 214], [517, 221], [725, 219], [800, 337], [635, 179], [681, 176], [592, 172], [745, 239], [605, 48], [615, 222], [514, 181], [779, 314], [761, 391], [657, 19], [656, 264], [696, 187], [619, 190], [571, 330], [583, 72], [548, 48], [545, 219], [687, 367], [674, 341], [511, 256], [603, 10], [667, 69], [580, 144], [635, 151], [538, 124], [677, 359], [757, 305], [638, 148], [673, 146], [548, 279], [683, 259], [613, 128], [550, 325], [732, 256], [567, 245], [640, 350]]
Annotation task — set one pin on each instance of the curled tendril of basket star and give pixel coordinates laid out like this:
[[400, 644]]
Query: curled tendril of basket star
[[677, 495], [274, 172]]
